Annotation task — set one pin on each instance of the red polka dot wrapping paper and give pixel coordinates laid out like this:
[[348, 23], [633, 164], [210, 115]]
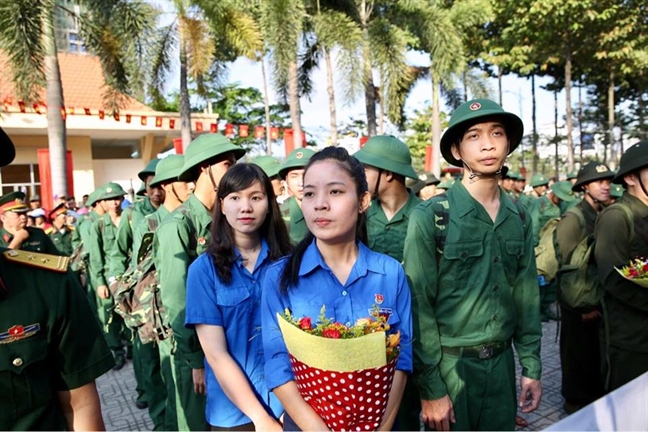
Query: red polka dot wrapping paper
[[346, 401]]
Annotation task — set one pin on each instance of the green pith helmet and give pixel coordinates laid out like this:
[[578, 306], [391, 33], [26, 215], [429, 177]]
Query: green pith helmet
[[616, 191], [148, 170], [297, 159], [14, 202], [563, 190], [111, 190], [470, 113], [591, 172], [269, 164], [94, 196], [515, 175], [141, 191], [445, 184], [387, 153], [168, 170], [538, 180], [204, 148], [572, 175], [428, 178], [634, 158], [424, 179]]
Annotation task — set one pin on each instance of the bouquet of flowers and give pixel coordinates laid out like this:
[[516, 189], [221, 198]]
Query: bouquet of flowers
[[636, 271], [344, 373]]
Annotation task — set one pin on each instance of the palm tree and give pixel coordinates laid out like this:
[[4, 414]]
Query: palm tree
[[112, 30], [202, 35]]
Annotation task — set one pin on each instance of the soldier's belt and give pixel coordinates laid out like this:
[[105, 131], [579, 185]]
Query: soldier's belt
[[482, 352]]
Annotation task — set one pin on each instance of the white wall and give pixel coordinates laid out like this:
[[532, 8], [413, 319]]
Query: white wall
[[121, 171]]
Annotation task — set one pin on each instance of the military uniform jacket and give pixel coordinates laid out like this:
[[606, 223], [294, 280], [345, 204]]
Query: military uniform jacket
[[101, 239], [119, 256], [62, 239], [178, 241], [294, 220], [626, 303], [37, 241], [483, 289], [50, 341], [542, 210], [143, 228], [388, 236]]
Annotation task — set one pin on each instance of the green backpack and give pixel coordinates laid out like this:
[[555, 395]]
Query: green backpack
[[137, 293], [546, 256]]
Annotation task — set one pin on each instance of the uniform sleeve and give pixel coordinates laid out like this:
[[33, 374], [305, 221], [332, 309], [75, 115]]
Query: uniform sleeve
[[202, 286], [534, 212], [421, 267], [277, 362], [404, 310], [49, 247], [612, 249], [138, 234], [568, 236], [82, 354], [172, 245], [118, 256], [95, 251], [76, 237], [527, 337]]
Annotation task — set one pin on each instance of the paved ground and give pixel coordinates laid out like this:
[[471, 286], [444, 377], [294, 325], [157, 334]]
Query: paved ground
[[117, 390]]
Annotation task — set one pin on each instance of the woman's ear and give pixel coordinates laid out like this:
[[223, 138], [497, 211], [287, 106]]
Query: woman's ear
[[365, 202]]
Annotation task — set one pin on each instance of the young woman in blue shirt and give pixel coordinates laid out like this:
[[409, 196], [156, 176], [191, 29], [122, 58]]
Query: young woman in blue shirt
[[332, 267], [223, 294]]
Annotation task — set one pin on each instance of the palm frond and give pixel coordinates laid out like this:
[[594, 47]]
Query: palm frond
[[163, 48]]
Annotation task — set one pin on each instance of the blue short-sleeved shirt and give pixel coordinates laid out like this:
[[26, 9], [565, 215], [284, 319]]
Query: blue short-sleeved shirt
[[235, 307], [375, 279]]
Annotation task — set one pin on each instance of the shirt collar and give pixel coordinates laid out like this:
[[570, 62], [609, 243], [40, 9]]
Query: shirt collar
[[296, 213], [412, 201], [637, 206], [263, 255], [465, 203], [199, 211], [312, 259]]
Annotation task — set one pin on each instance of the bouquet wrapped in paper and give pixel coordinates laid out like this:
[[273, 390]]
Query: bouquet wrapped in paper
[[636, 271], [344, 373]]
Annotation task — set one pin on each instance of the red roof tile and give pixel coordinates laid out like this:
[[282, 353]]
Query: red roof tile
[[83, 83]]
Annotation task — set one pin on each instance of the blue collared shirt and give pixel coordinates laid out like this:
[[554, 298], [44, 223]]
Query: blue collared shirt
[[375, 279], [235, 307]]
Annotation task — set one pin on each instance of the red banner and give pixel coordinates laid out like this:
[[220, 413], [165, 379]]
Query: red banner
[[199, 126], [177, 145], [102, 114], [274, 133], [244, 131], [428, 158], [229, 130], [158, 121], [45, 173], [259, 132], [213, 127], [171, 123]]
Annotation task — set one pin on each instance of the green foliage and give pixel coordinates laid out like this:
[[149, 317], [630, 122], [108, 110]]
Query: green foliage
[[418, 134]]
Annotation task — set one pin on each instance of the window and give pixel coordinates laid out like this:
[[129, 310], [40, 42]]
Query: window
[[24, 178]]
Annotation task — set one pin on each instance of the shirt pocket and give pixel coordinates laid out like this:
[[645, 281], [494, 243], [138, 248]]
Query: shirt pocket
[[464, 252], [234, 296], [25, 377], [514, 249]]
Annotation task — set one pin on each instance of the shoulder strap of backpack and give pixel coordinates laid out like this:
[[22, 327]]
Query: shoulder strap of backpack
[[581, 219], [629, 216], [152, 223], [186, 212], [441, 212]]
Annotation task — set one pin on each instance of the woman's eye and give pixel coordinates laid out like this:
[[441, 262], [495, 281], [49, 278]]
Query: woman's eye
[[308, 194], [335, 191]]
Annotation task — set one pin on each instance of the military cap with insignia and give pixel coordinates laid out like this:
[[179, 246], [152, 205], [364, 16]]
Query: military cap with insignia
[[633, 159], [168, 170], [148, 170], [297, 159], [571, 175], [14, 202], [388, 153], [563, 190], [111, 190], [269, 164], [590, 172], [473, 112], [58, 210], [204, 148], [538, 180], [94, 196], [141, 191]]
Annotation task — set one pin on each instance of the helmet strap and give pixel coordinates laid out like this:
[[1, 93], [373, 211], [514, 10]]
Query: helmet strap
[[175, 193], [375, 194], [211, 178]]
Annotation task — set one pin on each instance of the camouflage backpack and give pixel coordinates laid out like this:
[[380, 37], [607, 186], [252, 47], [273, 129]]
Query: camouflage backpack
[[137, 293], [80, 258]]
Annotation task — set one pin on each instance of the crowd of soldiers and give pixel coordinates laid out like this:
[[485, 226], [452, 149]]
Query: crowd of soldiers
[[470, 266]]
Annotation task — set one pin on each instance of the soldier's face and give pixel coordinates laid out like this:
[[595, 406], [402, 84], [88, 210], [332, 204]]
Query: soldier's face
[[114, 204], [183, 189], [155, 194], [519, 185], [372, 175], [295, 183], [277, 186], [14, 221], [599, 190], [483, 147], [246, 210]]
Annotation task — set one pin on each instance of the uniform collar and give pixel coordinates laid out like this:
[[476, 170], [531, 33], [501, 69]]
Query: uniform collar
[[263, 255], [296, 213], [199, 211], [412, 201], [312, 259], [465, 203], [637, 206], [145, 206]]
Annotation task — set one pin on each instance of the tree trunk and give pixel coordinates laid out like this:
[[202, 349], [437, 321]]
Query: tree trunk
[[556, 138], [611, 120], [266, 105], [580, 121], [295, 108], [641, 107], [534, 118], [331, 95], [56, 133], [570, 118], [185, 108], [499, 84], [369, 89], [465, 86], [436, 129], [381, 108]]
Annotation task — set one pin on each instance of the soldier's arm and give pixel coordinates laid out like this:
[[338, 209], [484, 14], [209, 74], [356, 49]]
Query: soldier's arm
[[421, 267], [82, 408], [118, 256], [526, 297], [172, 258], [612, 249], [94, 247], [568, 235]]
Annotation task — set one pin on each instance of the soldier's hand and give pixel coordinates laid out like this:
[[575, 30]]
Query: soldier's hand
[[103, 292], [530, 394], [198, 376], [438, 413], [22, 235], [591, 316]]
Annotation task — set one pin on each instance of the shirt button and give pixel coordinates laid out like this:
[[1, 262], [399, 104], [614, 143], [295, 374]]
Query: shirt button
[[253, 281], [17, 362], [496, 259], [387, 228], [344, 293], [494, 317], [348, 324], [496, 288]]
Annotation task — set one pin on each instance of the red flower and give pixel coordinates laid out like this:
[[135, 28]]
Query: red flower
[[305, 323], [633, 273], [331, 333], [645, 267]]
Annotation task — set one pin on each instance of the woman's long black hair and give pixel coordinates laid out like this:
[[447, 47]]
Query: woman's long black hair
[[355, 169], [221, 248]]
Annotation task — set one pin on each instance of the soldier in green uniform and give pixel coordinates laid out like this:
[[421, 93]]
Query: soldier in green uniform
[[507, 180], [616, 192], [540, 184], [271, 166], [51, 350], [469, 258], [428, 185], [293, 172], [547, 207], [444, 186], [119, 257], [101, 240], [572, 176], [519, 183], [580, 353], [60, 233], [178, 241], [15, 234], [617, 243]]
